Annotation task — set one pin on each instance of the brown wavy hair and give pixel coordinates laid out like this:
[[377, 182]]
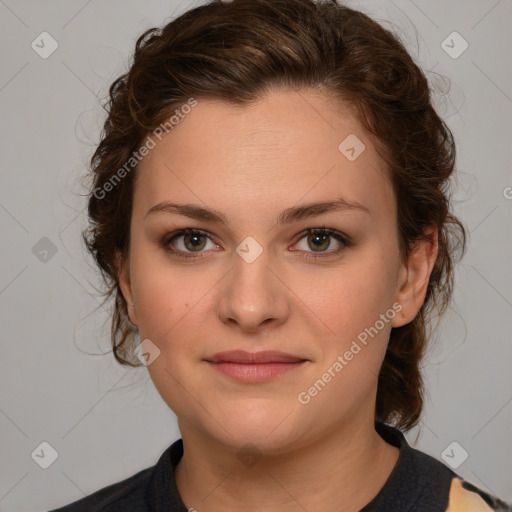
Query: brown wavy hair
[[236, 51]]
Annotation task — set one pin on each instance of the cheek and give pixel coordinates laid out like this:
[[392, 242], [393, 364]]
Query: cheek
[[174, 305], [168, 306], [171, 313], [163, 293], [350, 297], [350, 301]]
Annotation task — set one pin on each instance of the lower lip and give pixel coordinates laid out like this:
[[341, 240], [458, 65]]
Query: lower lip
[[255, 372]]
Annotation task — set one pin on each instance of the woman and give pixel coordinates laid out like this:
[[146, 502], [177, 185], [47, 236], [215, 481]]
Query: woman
[[270, 213]]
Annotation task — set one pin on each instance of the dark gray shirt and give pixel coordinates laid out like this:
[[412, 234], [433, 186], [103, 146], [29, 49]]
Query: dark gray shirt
[[418, 483]]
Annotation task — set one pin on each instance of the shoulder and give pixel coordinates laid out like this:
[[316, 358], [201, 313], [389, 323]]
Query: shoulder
[[461, 495], [421, 482], [465, 497], [124, 496], [149, 488]]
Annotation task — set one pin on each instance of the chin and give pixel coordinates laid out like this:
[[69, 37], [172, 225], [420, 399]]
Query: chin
[[271, 429]]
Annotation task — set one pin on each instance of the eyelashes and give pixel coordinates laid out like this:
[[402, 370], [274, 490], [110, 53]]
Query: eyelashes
[[318, 237], [321, 236], [168, 243]]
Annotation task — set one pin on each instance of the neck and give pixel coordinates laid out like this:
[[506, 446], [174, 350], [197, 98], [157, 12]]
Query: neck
[[341, 472]]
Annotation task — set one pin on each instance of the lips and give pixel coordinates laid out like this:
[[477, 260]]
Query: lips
[[243, 357], [254, 367]]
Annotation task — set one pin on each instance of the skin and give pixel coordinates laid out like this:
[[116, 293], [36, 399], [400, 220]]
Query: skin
[[251, 163]]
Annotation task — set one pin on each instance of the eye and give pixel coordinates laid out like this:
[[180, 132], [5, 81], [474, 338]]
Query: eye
[[320, 239], [192, 243], [188, 243]]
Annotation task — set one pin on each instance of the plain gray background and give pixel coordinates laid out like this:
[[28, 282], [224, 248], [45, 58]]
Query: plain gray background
[[107, 422]]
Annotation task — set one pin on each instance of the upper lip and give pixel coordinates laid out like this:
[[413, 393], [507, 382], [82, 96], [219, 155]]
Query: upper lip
[[266, 356]]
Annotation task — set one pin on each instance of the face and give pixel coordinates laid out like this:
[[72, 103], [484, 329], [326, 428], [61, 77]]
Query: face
[[266, 277]]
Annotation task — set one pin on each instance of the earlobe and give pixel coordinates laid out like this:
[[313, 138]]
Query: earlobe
[[123, 275], [415, 276]]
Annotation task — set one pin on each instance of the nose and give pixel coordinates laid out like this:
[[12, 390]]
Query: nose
[[253, 298]]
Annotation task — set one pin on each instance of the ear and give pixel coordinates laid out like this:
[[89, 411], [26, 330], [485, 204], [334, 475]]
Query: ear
[[414, 277], [123, 275]]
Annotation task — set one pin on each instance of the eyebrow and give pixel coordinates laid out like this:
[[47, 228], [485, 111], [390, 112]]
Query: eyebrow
[[287, 216]]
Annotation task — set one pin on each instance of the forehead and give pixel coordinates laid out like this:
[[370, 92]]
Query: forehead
[[286, 146]]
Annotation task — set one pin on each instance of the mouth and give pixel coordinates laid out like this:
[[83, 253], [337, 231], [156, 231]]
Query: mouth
[[254, 366]]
